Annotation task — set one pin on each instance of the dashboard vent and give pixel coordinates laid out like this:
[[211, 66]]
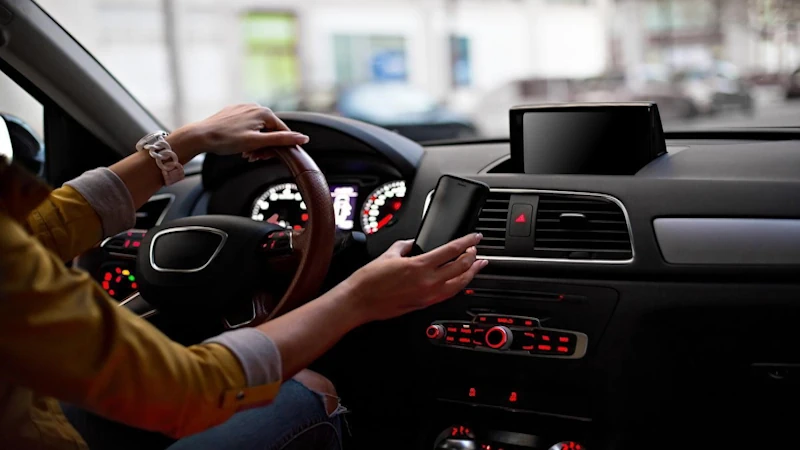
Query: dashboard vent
[[153, 212], [581, 227], [492, 222]]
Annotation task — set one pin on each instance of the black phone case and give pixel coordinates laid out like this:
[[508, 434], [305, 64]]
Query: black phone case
[[453, 212]]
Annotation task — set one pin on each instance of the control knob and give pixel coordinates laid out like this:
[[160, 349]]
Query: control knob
[[435, 332], [568, 445], [498, 337]]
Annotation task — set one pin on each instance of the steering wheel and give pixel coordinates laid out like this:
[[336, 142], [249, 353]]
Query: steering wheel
[[218, 265]]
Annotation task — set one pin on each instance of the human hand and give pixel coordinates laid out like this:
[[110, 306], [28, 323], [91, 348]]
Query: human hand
[[393, 284], [249, 129]]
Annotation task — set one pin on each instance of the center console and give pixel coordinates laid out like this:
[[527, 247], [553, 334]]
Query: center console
[[510, 362]]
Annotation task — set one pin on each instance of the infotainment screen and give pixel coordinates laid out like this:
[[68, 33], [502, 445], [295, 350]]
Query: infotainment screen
[[590, 139]]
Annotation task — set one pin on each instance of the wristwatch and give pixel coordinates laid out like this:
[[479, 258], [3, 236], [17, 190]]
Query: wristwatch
[[159, 149]]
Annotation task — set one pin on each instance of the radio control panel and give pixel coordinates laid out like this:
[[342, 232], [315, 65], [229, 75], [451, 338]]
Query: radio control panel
[[513, 335]]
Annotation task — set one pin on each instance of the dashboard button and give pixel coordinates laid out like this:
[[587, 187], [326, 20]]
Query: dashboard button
[[435, 332], [498, 338], [523, 340], [520, 221], [277, 243]]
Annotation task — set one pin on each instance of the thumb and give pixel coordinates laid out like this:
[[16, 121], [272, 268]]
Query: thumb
[[260, 139], [400, 248]]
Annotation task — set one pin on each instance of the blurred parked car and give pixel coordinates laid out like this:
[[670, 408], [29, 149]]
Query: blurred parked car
[[408, 111], [690, 92], [655, 83], [715, 88], [793, 85], [492, 109]]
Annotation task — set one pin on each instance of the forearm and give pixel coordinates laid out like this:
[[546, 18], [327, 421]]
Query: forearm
[[140, 173], [306, 333]]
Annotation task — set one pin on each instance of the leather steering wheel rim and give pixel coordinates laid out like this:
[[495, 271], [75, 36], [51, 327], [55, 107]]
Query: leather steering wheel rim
[[317, 237]]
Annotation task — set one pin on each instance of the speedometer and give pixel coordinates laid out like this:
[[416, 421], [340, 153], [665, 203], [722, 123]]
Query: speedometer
[[382, 206], [282, 205]]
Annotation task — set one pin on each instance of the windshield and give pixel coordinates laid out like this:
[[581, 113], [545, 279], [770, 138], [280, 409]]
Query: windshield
[[453, 66]]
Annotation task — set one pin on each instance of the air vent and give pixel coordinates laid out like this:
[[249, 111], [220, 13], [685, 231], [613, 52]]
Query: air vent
[[582, 228], [492, 222], [153, 212]]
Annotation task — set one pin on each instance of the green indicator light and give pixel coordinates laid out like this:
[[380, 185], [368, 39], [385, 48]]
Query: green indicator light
[[132, 278]]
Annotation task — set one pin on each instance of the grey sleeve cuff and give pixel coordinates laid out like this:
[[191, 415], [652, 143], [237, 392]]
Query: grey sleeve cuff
[[109, 197], [256, 352]]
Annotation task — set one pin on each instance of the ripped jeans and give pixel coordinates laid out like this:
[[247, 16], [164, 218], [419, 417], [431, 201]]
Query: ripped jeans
[[297, 419]]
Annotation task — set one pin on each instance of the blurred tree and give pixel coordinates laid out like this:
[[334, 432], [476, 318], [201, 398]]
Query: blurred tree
[[776, 21], [173, 59]]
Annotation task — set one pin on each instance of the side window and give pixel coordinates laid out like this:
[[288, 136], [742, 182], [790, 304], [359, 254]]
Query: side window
[[24, 116]]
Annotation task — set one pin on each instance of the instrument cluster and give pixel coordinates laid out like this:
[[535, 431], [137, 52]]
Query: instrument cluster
[[356, 206]]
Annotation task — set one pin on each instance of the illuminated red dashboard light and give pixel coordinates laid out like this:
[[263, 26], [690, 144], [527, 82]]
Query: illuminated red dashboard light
[[562, 349], [545, 347]]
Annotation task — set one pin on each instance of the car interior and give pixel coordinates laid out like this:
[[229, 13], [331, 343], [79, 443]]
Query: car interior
[[663, 317]]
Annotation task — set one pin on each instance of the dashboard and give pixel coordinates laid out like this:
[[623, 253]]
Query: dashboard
[[671, 314]]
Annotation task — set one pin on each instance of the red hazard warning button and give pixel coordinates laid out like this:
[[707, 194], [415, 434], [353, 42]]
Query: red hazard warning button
[[520, 225]]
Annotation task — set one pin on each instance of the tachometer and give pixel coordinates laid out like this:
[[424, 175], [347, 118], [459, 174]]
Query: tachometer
[[283, 205], [382, 206]]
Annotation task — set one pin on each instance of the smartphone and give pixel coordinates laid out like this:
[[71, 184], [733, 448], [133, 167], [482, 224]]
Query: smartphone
[[453, 212]]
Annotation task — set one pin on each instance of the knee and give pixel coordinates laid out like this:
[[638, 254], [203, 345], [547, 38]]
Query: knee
[[321, 385]]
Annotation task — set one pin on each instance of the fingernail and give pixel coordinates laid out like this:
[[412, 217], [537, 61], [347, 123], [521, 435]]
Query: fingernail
[[478, 236], [484, 263], [472, 250], [301, 138]]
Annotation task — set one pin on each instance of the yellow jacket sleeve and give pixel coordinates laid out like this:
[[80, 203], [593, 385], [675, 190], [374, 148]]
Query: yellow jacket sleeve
[[61, 336], [65, 224], [78, 215]]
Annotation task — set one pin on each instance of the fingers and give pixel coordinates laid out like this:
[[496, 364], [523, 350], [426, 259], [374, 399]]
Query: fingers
[[263, 154], [277, 139], [451, 250], [459, 266], [400, 248], [455, 285], [271, 121]]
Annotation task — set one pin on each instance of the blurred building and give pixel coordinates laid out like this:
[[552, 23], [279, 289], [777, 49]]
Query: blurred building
[[758, 36], [291, 53], [300, 54]]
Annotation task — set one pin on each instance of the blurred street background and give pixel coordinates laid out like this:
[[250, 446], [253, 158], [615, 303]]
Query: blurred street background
[[440, 69]]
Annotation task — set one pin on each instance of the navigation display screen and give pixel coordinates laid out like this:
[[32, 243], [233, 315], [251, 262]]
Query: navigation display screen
[[586, 139]]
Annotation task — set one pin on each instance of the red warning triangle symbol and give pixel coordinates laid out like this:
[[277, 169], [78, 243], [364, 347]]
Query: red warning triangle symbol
[[520, 218]]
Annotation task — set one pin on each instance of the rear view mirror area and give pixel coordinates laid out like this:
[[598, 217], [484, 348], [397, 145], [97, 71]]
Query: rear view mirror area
[[6, 150], [21, 144]]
